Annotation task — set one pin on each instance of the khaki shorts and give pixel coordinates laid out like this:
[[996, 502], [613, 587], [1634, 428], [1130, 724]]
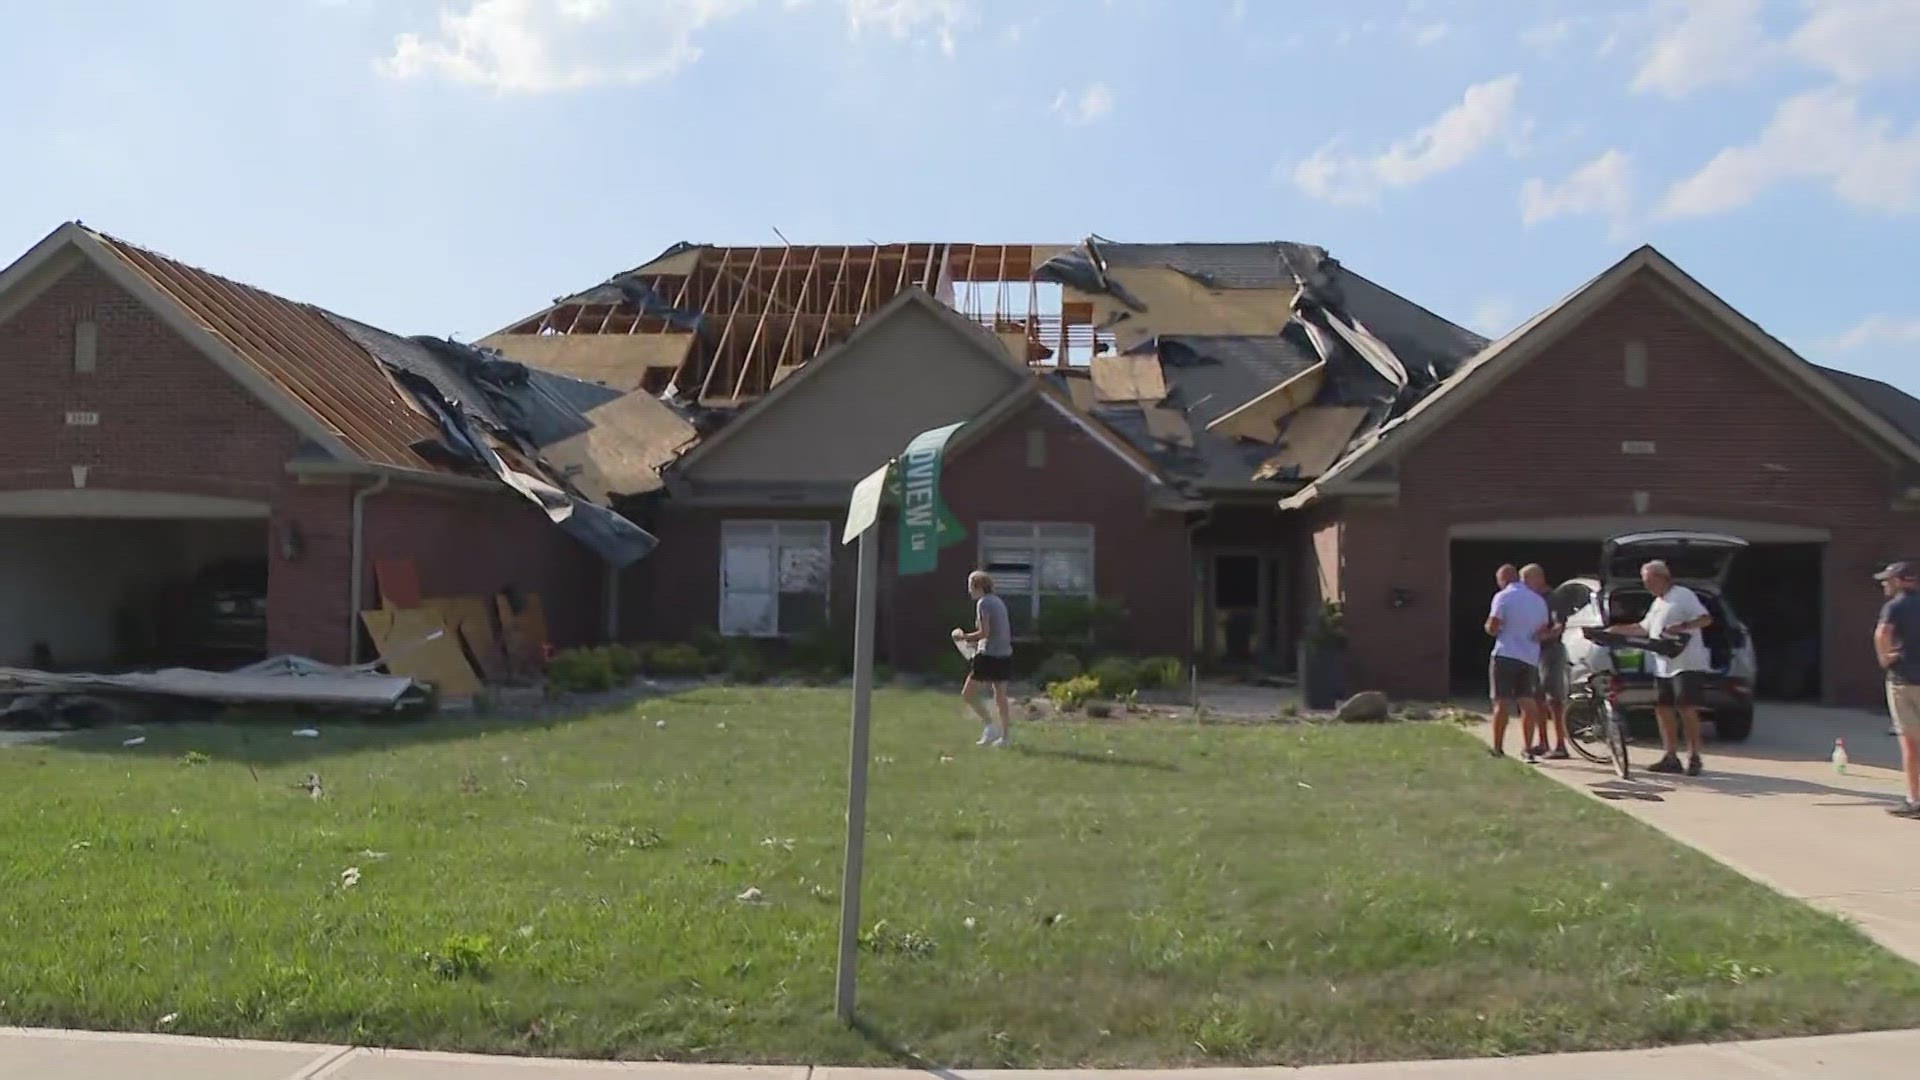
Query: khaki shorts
[[1903, 701]]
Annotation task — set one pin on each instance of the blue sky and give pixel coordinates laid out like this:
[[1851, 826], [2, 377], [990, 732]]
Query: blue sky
[[446, 167]]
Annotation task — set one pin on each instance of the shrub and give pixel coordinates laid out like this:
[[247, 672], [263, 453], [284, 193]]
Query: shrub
[[1059, 667], [623, 662], [677, 661], [1096, 622], [581, 671], [711, 645], [1117, 676], [746, 669], [821, 650], [1161, 673], [1072, 693], [882, 674], [951, 667]]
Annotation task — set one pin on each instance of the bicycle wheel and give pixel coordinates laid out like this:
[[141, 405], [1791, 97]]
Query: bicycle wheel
[[1586, 731], [1616, 725]]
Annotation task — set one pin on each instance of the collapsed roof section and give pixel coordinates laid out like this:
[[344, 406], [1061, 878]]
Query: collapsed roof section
[[720, 326], [1267, 359]]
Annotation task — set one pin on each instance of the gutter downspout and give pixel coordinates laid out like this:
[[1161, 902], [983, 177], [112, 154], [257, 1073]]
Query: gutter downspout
[[358, 558]]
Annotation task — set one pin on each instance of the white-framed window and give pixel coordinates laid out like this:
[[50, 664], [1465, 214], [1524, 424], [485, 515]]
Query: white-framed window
[[774, 577], [1035, 565]]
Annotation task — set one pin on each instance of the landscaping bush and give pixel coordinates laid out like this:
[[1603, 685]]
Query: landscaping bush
[[1098, 623], [677, 661], [623, 662], [712, 646], [822, 652], [1059, 667], [1069, 694], [586, 671], [746, 669], [951, 667], [1117, 676], [1161, 673]]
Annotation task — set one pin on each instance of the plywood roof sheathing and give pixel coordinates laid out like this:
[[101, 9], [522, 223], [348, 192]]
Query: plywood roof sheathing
[[1128, 378], [1313, 440], [1169, 424], [1080, 390], [1259, 420]]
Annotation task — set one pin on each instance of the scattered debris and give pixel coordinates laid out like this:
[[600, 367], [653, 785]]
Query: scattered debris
[[135, 741], [167, 1020], [751, 896], [968, 922], [306, 733], [283, 680], [349, 877], [311, 785]]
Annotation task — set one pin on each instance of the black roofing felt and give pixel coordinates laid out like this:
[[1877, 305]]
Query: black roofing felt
[[1890, 403]]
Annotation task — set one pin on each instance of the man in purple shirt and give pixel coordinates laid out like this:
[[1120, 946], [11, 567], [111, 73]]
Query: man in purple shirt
[[1515, 623]]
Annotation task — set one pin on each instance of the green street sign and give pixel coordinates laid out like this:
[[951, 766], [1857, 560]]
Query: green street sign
[[926, 525]]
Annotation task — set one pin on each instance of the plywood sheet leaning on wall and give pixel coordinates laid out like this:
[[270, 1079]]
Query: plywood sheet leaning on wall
[[618, 361], [415, 642], [398, 581], [471, 618], [523, 630], [1178, 304], [1312, 441], [1127, 379], [1259, 420]]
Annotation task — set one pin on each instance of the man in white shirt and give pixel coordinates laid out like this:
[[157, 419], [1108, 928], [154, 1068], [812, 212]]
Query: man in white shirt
[[1677, 612], [1516, 622]]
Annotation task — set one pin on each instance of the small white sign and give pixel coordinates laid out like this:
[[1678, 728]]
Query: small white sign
[[83, 419], [1637, 446]]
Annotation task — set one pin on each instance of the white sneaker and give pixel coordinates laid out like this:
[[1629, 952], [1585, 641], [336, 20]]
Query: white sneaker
[[1000, 743], [987, 736]]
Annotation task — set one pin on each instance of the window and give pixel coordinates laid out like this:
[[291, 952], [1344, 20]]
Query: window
[[1636, 364], [86, 346], [1036, 567], [774, 577]]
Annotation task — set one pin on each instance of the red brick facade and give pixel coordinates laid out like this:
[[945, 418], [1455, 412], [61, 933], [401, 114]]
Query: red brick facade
[[1733, 443], [172, 421], [1140, 556]]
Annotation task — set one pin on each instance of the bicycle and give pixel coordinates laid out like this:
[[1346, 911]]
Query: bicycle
[[1596, 725]]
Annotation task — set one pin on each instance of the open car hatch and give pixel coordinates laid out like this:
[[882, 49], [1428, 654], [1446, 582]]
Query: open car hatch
[[1696, 558]]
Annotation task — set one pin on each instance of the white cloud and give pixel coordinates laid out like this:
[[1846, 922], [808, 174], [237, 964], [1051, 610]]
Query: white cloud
[[1603, 186], [905, 20], [1857, 40], [1236, 11], [1703, 43], [1547, 35], [538, 46], [1085, 105], [1818, 136], [1430, 35], [1494, 317], [1484, 114], [1877, 330]]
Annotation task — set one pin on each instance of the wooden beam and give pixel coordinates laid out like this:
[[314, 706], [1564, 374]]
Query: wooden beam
[[866, 291], [726, 330], [793, 320], [833, 296], [926, 278], [900, 280], [760, 326], [1000, 288], [680, 297]]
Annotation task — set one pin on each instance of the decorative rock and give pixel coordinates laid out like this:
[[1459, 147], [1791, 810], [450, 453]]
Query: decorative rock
[[1366, 707]]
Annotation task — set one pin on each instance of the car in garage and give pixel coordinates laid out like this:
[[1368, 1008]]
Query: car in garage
[[226, 609], [1700, 561]]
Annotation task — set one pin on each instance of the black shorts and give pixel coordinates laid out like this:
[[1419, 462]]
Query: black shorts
[[1511, 680], [991, 669], [1681, 690]]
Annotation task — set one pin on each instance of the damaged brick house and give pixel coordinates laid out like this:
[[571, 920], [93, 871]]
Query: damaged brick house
[[1217, 437], [191, 459], [1134, 412]]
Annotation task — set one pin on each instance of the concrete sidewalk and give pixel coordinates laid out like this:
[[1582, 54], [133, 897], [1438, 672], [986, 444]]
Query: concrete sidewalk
[[71, 1055], [1773, 809]]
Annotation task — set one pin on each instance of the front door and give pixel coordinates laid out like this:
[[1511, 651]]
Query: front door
[[1242, 598]]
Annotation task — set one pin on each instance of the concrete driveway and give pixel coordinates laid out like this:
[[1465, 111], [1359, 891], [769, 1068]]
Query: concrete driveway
[[1774, 809]]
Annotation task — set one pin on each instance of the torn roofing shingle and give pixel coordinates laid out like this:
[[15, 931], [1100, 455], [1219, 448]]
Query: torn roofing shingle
[[1264, 265]]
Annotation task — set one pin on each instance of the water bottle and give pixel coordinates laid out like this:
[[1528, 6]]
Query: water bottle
[[1840, 756]]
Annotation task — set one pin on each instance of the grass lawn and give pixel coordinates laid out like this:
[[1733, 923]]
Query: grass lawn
[[1105, 894]]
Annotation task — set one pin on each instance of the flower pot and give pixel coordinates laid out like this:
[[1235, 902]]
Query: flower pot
[[1323, 675]]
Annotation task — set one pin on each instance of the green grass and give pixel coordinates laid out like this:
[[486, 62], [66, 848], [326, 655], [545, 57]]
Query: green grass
[[1106, 894]]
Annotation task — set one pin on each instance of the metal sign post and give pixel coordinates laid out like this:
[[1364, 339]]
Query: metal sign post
[[863, 521]]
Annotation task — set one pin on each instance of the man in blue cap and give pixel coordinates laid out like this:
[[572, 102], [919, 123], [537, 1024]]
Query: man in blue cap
[[1896, 643]]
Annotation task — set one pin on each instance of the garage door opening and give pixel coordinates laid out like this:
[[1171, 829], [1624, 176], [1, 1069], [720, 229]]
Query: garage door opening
[[1775, 589], [102, 594]]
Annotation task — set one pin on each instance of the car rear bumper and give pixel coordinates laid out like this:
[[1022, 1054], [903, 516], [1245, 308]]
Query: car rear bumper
[[1718, 693]]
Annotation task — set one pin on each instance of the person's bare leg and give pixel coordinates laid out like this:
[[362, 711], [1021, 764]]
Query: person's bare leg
[[1910, 761], [1692, 718], [1669, 737], [1531, 722], [1005, 707], [970, 693], [1557, 709], [1500, 726]]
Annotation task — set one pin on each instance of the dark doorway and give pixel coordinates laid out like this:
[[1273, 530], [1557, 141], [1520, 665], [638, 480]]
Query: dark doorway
[[1470, 593], [1237, 607], [1776, 590]]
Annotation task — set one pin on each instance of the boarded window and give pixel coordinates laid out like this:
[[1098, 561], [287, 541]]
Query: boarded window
[[86, 346], [775, 577], [1636, 364], [1038, 567]]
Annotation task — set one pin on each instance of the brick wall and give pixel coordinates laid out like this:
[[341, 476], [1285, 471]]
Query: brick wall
[[1139, 558], [1732, 443]]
